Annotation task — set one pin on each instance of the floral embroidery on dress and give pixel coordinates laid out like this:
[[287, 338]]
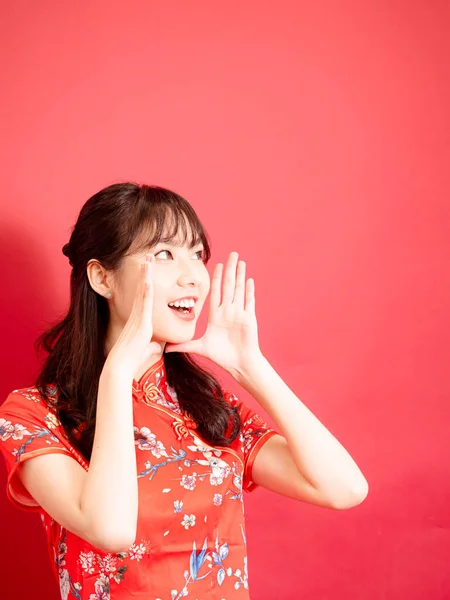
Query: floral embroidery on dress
[[30, 394], [108, 568], [18, 432], [219, 469], [34, 395], [220, 554], [253, 429], [66, 585], [151, 469], [187, 500], [215, 562], [188, 482], [52, 420], [8, 430], [188, 521], [146, 440], [173, 403]]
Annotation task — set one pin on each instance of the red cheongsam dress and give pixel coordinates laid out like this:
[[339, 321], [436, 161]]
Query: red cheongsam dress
[[190, 533]]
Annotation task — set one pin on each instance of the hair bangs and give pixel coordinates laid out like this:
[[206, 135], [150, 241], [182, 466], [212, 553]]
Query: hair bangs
[[168, 218]]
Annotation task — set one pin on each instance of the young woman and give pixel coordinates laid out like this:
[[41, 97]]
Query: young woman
[[134, 456]]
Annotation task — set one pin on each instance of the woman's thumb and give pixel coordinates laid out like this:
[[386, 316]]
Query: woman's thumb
[[175, 348], [185, 347]]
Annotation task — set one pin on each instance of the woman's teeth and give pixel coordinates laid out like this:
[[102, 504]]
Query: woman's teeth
[[180, 309], [182, 304], [184, 308]]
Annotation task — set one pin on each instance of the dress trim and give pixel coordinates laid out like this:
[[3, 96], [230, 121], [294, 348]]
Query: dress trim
[[248, 472]]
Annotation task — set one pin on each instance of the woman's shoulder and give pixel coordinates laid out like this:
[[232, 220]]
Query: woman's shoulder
[[28, 412], [29, 402], [250, 418]]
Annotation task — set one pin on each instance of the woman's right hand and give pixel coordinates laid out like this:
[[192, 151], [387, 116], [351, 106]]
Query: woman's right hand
[[134, 346], [100, 504]]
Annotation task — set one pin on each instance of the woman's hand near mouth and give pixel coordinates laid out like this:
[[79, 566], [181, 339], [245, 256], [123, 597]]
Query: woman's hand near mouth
[[231, 336], [133, 346]]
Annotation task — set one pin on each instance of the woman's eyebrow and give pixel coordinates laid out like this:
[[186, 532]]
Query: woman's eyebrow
[[181, 244]]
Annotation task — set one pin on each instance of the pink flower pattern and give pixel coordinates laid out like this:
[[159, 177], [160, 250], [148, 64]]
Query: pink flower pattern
[[190, 496], [146, 440]]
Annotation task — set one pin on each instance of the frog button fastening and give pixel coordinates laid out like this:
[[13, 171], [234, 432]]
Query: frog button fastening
[[182, 427], [151, 394]]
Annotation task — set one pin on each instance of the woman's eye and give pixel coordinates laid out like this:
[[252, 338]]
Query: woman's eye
[[200, 253]]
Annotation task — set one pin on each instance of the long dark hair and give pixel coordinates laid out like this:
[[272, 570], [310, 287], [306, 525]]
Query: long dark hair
[[109, 223]]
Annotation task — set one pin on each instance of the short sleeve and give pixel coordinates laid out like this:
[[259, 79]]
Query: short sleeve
[[255, 432], [28, 428]]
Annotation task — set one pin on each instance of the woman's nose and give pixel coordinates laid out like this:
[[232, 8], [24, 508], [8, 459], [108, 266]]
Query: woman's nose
[[189, 275]]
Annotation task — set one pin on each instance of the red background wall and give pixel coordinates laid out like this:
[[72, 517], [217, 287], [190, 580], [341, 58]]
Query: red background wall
[[312, 137]]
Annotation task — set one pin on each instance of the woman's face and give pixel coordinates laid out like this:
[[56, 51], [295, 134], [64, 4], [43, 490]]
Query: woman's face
[[179, 272]]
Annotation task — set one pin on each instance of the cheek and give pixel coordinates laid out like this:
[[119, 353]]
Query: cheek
[[124, 304], [206, 284], [125, 295], [204, 289], [159, 299]]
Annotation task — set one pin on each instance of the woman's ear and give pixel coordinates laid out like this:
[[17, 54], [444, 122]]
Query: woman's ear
[[99, 278]]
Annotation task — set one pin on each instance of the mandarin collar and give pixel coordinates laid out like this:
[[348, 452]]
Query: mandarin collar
[[153, 388], [154, 376]]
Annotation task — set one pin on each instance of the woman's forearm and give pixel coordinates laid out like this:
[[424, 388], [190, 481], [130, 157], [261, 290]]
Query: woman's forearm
[[109, 498], [319, 456]]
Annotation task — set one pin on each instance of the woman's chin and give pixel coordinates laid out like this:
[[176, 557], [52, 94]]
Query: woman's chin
[[174, 338]]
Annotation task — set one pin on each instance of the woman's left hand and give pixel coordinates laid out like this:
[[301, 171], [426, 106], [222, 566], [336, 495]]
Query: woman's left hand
[[231, 337]]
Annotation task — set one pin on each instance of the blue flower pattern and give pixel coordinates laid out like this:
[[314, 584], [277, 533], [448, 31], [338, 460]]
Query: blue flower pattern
[[184, 485]]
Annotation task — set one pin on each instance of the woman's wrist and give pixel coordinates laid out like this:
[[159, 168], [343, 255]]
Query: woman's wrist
[[117, 370]]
